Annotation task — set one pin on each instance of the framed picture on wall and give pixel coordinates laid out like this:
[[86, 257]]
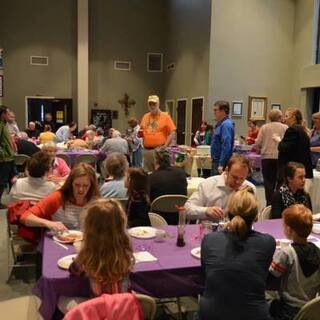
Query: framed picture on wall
[[257, 108], [276, 106], [237, 107]]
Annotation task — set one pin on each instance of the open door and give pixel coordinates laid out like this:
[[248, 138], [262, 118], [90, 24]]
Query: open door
[[181, 120], [196, 116]]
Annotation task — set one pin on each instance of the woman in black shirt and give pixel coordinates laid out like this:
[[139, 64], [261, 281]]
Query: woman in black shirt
[[236, 263]]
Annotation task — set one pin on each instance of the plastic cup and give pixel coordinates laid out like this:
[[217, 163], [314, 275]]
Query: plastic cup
[[160, 235]]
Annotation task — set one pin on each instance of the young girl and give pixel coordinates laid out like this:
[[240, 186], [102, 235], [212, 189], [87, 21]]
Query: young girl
[[138, 200], [106, 256], [298, 265]]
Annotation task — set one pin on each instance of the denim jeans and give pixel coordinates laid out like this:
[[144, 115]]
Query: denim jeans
[[137, 158]]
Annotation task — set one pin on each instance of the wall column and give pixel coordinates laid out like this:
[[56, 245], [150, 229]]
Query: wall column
[[83, 64]]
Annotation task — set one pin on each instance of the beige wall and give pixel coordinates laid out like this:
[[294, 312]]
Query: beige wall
[[305, 73], [187, 44], [43, 28], [119, 31], [251, 52]]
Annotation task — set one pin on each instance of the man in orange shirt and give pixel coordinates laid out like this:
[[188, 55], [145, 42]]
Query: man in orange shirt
[[158, 130]]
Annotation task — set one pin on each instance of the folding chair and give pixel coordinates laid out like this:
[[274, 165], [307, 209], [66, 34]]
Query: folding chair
[[265, 213], [21, 250], [157, 220], [310, 311], [123, 202], [20, 161], [87, 158], [148, 305], [65, 157], [166, 206], [22, 308]]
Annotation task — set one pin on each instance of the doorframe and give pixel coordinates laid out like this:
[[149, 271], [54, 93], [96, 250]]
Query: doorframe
[[185, 116], [173, 110], [26, 104], [194, 98]]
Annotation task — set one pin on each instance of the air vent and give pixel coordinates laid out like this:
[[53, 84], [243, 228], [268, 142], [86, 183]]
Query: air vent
[[122, 65], [154, 62], [39, 60], [170, 66]]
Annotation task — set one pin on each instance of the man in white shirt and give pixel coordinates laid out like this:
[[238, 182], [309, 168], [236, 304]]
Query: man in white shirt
[[211, 199]]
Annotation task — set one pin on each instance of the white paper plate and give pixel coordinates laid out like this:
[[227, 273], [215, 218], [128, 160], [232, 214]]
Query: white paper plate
[[196, 252], [143, 232], [71, 232], [64, 263]]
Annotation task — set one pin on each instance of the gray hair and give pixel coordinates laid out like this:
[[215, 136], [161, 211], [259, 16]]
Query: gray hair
[[162, 157], [275, 115], [116, 134], [49, 144]]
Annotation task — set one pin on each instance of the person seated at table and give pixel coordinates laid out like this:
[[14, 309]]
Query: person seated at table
[[32, 131], [138, 207], [77, 144], [297, 265], [292, 191], [106, 255], [116, 166], [90, 139], [61, 210], [35, 186], [65, 133], [253, 131], [47, 135], [48, 120], [236, 262], [211, 199], [315, 139], [24, 146], [59, 168], [166, 179], [115, 144], [203, 135]]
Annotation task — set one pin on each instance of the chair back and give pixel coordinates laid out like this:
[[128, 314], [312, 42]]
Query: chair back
[[22, 308], [310, 311], [123, 202], [156, 220], [65, 157], [148, 305], [87, 158], [167, 203], [265, 213], [20, 161]]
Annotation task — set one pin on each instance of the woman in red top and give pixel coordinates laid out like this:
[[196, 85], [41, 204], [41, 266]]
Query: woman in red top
[[253, 131], [61, 210]]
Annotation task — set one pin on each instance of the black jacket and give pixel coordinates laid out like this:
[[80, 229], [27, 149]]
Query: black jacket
[[295, 146]]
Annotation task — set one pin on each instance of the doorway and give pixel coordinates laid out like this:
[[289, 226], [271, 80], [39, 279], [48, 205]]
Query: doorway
[[60, 109], [181, 120], [170, 109], [196, 116]]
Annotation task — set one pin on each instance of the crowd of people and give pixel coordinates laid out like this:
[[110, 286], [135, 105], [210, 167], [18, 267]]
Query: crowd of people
[[237, 262]]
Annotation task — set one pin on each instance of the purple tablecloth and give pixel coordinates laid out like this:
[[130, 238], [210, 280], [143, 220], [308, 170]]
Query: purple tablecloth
[[175, 273]]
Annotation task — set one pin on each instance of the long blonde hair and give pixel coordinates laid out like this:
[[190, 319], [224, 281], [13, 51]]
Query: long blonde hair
[[296, 113], [106, 254], [242, 211]]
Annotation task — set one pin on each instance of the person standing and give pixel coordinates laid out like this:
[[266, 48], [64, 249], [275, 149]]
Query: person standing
[[295, 145], [269, 151], [136, 143], [158, 130], [223, 138], [7, 166], [65, 133]]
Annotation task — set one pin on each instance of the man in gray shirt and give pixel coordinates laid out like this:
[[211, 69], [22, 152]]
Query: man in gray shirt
[[115, 144], [211, 199]]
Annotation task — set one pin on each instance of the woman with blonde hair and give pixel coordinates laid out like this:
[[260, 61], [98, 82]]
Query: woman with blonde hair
[[236, 261], [62, 209], [295, 145], [106, 255]]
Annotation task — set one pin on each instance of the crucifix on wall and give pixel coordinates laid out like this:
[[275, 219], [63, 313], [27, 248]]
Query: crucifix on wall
[[126, 102]]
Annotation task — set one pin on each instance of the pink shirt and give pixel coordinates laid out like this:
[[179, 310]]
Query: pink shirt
[[60, 168]]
